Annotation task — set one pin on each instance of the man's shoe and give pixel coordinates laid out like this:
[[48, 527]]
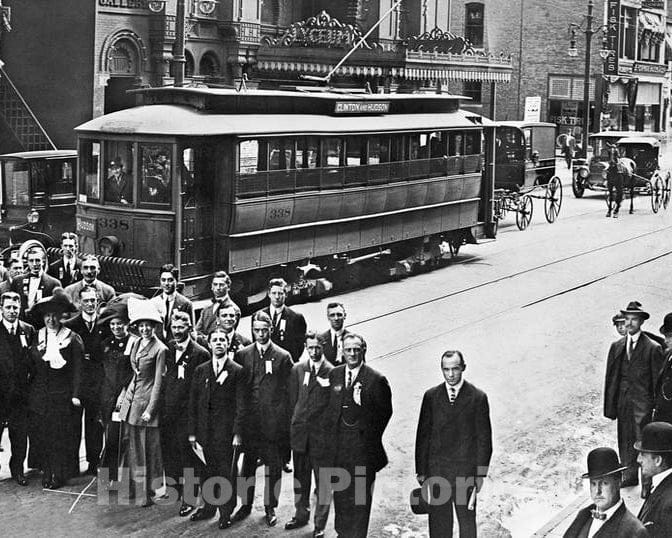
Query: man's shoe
[[295, 524], [92, 469], [318, 534], [147, 502], [242, 513], [21, 480], [201, 514], [185, 509], [224, 522], [271, 518], [287, 468], [615, 214], [609, 213]]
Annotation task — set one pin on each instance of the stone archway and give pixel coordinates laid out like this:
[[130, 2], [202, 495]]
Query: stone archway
[[123, 59]]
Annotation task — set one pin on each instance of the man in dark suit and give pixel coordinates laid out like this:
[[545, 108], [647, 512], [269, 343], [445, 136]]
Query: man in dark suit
[[16, 338], [655, 459], [228, 317], [92, 333], [68, 269], [217, 411], [332, 339], [359, 409], [90, 272], [183, 357], [308, 397], [266, 435], [119, 184], [288, 327], [34, 285], [662, 410], [15, 269], [453, 443], [607, 517], [633, 365], [220, 286], [171, 300]]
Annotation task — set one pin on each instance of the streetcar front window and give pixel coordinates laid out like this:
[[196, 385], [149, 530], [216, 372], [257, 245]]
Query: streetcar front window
[[456, 144], [355, 151], [156, 170], [333, 149], [17, 182], [307, 152], [89, 158], [119, 182], [472, 143], [379, 150]]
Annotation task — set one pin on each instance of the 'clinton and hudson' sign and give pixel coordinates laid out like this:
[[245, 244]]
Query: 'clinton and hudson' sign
[[613, 24], [362, 107]]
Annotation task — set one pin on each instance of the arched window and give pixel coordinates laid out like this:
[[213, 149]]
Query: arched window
[[473, 24], [209, 65], [122, 58]]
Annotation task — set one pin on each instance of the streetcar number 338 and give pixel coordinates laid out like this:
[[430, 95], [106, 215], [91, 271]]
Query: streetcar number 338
[[113, 224]]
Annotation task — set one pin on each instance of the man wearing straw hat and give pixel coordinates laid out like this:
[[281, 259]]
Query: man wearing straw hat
[[655, 459], [608, 516], [633, 364]]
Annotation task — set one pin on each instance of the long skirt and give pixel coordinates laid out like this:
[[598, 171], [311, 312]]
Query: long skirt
[[51, 436], [143, 459]]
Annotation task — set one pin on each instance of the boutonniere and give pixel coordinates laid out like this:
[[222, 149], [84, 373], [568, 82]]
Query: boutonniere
[[338, 388], [357, 393]]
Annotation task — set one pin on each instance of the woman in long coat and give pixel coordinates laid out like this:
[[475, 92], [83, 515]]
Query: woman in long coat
[[55, 372], [139, 402]]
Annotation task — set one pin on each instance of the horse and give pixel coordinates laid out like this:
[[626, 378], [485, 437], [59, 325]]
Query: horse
[[619, 175]]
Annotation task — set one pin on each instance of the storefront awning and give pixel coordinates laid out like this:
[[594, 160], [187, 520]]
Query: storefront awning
[[651, 23]]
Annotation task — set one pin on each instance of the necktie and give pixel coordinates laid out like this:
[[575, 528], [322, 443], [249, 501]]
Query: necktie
[[336, 345], [349, 378], [598, 515], [452, 395], [275, 319], [631, 347], [12, 331], [166, 322], [89, 325]]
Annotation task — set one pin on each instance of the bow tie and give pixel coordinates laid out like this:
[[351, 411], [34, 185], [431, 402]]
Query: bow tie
[[598, 515]]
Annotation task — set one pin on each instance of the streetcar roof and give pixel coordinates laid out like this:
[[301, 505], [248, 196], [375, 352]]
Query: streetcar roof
[[43, 154], [175, 120], [649, 140]]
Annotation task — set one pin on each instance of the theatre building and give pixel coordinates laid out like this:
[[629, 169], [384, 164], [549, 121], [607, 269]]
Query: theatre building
[[66, 61]]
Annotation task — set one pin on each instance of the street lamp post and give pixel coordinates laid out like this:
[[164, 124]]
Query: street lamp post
[[589, 31]]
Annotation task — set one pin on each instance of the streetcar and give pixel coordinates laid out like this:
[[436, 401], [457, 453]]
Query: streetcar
[[38, 195], [302, 183], [525, 170]]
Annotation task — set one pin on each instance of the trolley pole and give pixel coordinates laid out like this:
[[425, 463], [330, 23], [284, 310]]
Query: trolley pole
[[178, 55]]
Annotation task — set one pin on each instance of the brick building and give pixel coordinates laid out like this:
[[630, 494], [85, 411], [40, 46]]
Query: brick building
[[74, 72]]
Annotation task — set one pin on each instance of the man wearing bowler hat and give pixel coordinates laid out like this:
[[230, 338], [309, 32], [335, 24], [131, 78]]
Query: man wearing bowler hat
[[608, 516], [662, 410], [655, 459], [633, 364]]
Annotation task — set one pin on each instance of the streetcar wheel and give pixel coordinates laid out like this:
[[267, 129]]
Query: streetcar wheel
[[656, 192], [667, 185], [524, 210], [553, 199], [577, 185]]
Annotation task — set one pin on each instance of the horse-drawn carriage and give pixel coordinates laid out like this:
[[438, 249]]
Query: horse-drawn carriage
[[525, 170], [643, 157]]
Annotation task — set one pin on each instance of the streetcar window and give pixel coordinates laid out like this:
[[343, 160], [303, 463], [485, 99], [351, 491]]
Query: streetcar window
[[16, 178], [251, 156], [472, 143], [355, 151], [52, 177], [456, 144], [118, 172], [437, 144], [379, 150], [307, 152], [397, 148], [281, 153], [89, 155], [333, 150], [413, 147], [156, 169]]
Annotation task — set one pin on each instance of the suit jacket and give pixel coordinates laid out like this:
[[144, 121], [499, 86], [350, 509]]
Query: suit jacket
[[92, 365], [117, 373], [57, 270], [116, 191], [663, 404], [290, 332], [656, 512], [46, 289], [328, 348], [105, 291], [181, 304], [175, 388], [308, 398], [376, 411], [623, 524], [645, 365], [15, 359], [208, 318], [268, 403], [229, 415], [453, 439], [142, 393]]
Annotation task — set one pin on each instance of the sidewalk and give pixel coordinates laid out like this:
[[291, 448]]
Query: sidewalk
[[560, 522]]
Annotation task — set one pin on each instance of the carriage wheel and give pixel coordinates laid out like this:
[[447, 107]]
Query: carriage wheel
[[656, 192], [553, 199], [524, 210], [667, 186]]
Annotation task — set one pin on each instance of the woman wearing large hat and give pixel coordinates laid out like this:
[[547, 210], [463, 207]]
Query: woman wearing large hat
[[56, 364], [140, 401]]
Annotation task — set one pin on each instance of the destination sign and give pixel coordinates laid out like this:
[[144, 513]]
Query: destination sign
[[362, 107]]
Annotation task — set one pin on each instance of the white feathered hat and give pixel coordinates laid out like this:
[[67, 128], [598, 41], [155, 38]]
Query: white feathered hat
[[142, 310]]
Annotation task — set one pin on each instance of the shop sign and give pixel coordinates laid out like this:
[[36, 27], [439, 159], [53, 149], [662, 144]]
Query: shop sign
[[653, 69], [532, 108], [612, 34], [563, 119], [653, 4], [362, 107]]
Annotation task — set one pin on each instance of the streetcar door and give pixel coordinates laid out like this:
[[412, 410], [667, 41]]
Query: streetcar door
[[198, 175]]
